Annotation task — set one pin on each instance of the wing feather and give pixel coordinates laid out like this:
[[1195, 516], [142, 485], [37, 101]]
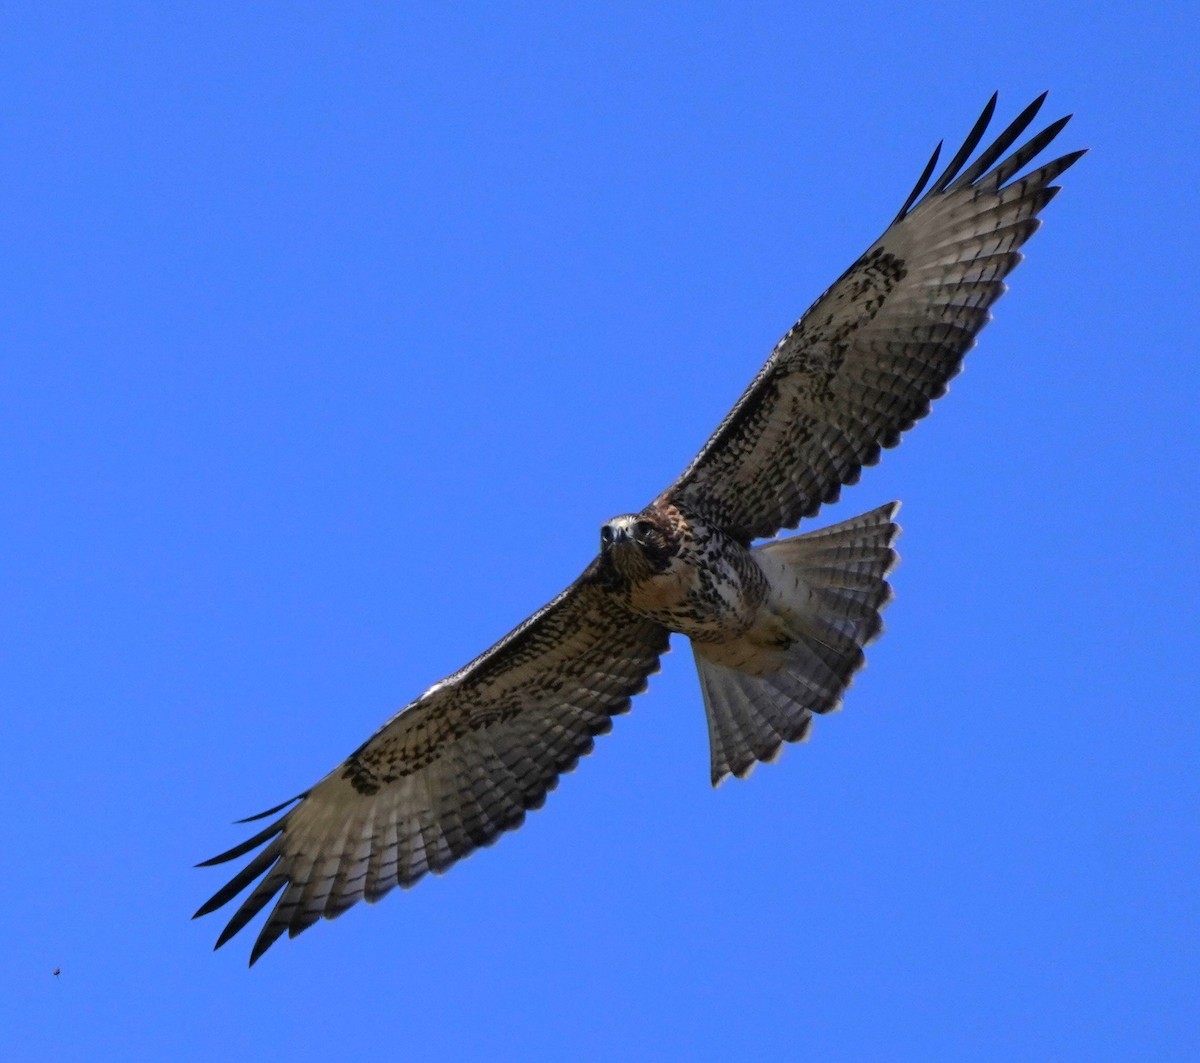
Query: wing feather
[[453, 770], [865, 362]]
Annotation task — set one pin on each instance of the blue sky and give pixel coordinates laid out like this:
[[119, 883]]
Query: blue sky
[[332, 334]]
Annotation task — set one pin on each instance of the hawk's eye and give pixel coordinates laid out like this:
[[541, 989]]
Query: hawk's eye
[[643, 528], [606, 534]]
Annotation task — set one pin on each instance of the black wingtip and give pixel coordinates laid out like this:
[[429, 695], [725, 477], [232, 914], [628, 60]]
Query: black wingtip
[[267, 937], [968, 145], [919, 187], [250, 843], [205, 908], [1055, 127], [227, 934], [1060, 165], [956, 164], [1026, 117], [271, 811], [1030, 112], [989, 109], [995, 151]]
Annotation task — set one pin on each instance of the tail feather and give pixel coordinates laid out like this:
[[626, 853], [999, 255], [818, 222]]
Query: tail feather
[[758, 718], [828, 588]]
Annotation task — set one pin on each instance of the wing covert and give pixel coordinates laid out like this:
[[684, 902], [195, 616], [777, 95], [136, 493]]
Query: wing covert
[[452, 771], [865, 362]]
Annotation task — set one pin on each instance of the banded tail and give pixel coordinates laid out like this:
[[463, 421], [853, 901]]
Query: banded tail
[[827, 590]]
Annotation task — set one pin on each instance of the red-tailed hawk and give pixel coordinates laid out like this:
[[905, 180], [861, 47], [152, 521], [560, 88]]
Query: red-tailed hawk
[[777, 630]]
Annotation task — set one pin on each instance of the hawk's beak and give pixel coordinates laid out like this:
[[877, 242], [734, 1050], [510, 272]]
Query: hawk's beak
[[612, 534]]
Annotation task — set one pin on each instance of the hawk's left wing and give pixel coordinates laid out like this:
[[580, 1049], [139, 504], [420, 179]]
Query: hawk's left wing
[[452, 771], [865, 362]]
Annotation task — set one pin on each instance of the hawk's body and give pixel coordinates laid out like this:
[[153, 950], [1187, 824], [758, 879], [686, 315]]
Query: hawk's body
[[777, 629], [683, 573]]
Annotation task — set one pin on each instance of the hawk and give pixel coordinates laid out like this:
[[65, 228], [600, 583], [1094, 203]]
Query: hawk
[[777, 629]]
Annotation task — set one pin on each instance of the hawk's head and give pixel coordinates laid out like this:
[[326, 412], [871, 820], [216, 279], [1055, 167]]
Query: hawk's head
[[639, 545]]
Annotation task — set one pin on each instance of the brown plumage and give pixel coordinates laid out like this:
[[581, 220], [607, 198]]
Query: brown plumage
[[777, 630]]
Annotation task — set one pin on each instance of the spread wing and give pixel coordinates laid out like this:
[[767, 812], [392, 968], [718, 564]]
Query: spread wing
[[452, 771], [865, 362]]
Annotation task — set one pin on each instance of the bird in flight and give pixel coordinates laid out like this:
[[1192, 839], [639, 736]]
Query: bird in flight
[[777, 629]]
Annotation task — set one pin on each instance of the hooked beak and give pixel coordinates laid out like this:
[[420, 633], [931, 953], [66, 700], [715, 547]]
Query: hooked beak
[[613, 534]]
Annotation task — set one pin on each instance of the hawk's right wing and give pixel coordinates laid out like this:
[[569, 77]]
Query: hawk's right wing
[[452, 771]]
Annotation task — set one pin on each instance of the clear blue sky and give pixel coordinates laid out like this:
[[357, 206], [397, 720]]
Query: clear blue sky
[[331, 333]]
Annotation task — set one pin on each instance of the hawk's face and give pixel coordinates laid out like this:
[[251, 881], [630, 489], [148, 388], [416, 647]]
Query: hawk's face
[[639, 545]]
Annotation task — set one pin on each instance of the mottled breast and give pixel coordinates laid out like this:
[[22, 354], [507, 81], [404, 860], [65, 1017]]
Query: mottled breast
[[710, 588]]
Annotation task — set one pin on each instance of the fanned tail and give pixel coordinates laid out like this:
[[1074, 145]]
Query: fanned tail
[[828, 588]]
